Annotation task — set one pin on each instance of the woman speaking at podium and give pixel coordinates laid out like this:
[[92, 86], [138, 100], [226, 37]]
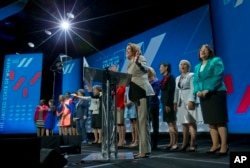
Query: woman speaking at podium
[[139, 92]]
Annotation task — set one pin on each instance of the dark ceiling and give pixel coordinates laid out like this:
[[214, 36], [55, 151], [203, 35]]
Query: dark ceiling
[[98, 24]]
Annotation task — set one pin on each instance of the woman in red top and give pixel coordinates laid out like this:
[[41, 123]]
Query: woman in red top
[[120, 100], [40, 116], [120, 106]]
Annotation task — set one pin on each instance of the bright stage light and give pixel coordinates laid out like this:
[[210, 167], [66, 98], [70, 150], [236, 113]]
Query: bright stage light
[[65, 25]]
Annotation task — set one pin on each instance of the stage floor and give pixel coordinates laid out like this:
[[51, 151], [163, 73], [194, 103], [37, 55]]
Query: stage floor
[[160, 158]]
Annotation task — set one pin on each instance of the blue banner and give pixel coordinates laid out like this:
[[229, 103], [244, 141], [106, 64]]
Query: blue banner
[[231, 35], [72, 76], [20, 93]]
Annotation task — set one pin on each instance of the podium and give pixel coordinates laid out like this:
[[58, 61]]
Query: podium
[[110, 80]]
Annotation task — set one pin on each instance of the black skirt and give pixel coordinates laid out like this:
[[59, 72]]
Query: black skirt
[[214, 108]]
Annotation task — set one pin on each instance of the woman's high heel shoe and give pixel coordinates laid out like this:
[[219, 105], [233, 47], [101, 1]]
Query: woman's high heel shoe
[[184, 148], [213, 151], [223, 153], [193, 149], [174, 148], [141, 155], [135, 144], [167, 147]]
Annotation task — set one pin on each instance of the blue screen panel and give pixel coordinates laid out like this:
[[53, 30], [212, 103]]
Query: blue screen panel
[[72, 75], [231, 27], [20, 93]]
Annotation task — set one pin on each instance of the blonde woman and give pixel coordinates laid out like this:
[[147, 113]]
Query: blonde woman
[[184, 101], [130, 113], [139, 92], [154, 106]]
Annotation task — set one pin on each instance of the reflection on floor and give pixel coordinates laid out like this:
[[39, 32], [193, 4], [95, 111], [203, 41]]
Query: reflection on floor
[[161, 157]]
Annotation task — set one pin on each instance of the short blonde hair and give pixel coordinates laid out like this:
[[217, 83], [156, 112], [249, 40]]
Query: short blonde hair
[[151, 72], [187, 62]]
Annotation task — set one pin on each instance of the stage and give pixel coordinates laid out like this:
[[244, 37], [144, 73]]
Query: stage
[[158, 158], [164, 158]]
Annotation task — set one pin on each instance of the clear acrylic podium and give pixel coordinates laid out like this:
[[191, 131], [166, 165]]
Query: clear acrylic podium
[[110, 80]]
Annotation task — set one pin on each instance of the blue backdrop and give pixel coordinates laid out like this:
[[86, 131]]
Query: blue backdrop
[[71, 79], [227, 32], [231, 27]]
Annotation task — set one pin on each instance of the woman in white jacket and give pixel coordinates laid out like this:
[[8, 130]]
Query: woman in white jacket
[[184, 102]]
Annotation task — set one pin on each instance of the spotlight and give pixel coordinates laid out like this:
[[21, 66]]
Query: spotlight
[[65, 25], [70, 15], [30, 44], [48, 32]]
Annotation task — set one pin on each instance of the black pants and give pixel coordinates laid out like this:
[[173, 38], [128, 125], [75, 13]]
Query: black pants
[[154, 118]]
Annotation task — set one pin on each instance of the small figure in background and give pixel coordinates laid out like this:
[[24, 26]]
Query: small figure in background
[[40, 116], [50, 120]]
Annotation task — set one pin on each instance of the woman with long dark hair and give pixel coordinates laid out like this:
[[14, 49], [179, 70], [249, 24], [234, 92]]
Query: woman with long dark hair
[[167, 86]]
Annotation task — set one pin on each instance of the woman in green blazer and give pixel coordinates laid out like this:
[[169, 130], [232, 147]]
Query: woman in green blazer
[[210, 88]]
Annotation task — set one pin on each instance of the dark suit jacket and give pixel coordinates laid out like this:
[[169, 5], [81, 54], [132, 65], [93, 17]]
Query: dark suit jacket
[[81, 108], [167, 92]]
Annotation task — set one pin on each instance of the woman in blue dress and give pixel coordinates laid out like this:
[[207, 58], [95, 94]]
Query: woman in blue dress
[[50, 120], [130, 113]]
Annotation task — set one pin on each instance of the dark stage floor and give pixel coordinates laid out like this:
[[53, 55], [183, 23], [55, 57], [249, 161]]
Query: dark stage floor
[[162, 158], [27, 151]]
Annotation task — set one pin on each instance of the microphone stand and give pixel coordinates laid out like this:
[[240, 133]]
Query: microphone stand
[[54, 78]]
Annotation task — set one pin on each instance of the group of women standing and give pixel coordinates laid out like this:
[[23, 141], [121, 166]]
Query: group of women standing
[[45, 118], [179, 97], [48, 115]]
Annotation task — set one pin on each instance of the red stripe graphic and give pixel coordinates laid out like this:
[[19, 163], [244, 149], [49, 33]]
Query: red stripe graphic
[[12, 74], [35, 78], [228, 79], [245, 102], [19, 83], [25, 92]]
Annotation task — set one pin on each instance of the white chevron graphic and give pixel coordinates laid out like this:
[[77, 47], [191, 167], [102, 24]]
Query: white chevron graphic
[[25, 62], [68, 68], [238, 3], [85, 62], [153, 48]]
